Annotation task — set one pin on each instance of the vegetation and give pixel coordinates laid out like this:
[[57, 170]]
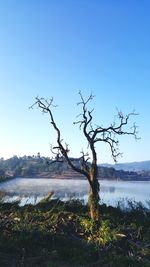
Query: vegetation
[[57, 234], [93, 134]]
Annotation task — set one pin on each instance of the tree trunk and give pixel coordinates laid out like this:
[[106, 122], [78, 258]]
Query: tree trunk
[[93, 200]]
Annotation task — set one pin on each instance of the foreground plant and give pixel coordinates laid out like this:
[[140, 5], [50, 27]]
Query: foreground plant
[[56, 233]]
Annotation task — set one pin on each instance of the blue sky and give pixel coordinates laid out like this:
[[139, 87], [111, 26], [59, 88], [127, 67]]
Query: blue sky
[[58, 47]]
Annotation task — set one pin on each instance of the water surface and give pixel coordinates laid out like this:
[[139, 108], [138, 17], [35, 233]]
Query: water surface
[[32, 190]]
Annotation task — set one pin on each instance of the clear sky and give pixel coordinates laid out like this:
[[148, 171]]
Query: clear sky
[[58, 47]]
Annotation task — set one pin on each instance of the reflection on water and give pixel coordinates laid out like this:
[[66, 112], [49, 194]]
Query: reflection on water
[[32, 190]]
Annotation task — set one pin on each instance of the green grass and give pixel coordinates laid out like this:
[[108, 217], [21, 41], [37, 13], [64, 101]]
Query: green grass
[[58, 234]]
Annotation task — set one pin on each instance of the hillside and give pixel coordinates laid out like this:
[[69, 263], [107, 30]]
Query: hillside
[[130, 166], [42, 167]]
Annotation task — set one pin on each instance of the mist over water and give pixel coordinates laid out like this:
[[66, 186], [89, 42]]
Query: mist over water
[[33, 190]]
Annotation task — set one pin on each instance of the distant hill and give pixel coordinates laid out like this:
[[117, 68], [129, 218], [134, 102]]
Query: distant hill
[[131, 166], [43, 167]]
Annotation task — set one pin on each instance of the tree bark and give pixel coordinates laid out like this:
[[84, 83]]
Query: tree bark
[[93, 199], [93, 202]]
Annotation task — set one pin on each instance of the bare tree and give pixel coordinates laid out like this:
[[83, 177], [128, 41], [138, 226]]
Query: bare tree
[[93, 135]]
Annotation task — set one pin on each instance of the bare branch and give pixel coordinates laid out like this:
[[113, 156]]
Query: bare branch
[[102, 134], [57, 155], [62, 150]]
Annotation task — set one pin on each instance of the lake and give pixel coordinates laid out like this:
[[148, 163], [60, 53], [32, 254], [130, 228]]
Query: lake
[[33, 190]]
